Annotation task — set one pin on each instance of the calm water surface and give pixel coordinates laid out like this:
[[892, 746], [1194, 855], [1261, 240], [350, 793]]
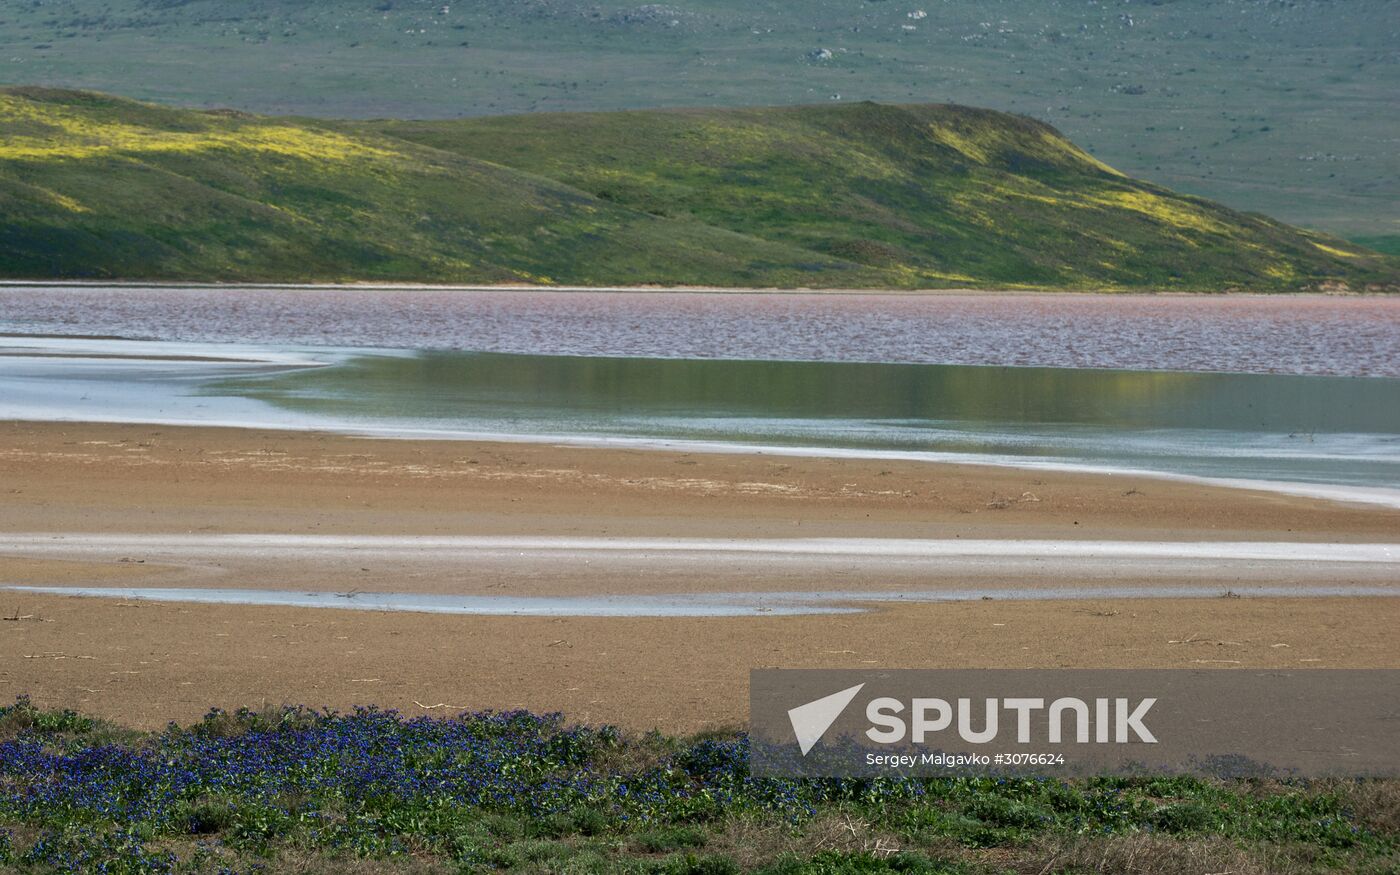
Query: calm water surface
[[1281, 390], [1293, 335]]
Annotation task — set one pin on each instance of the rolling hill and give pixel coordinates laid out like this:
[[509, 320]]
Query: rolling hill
[[1284, 107], [859, 195]]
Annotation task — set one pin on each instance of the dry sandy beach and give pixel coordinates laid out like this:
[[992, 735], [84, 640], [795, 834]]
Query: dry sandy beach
[[148, 662]]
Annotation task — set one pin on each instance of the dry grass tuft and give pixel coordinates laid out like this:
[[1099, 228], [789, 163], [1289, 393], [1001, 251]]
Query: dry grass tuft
[[751, 842], [1375, 804], [1157, 855]]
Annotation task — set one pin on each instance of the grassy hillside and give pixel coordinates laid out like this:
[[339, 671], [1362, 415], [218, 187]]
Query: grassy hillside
[[94, 186], [828, 196], [931, 193], [1284, 108]]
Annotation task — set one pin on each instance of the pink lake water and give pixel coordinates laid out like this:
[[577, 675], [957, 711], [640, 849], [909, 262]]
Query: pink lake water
[[1303, 334]]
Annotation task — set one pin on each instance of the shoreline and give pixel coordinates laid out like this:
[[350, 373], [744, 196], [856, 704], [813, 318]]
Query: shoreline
[[1370, 496], [197, 467], [146, 662], [713, 290], [668, 606]]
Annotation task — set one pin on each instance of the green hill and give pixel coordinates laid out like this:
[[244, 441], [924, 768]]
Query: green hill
[[94, 186], [1285, 107], [830, 196]]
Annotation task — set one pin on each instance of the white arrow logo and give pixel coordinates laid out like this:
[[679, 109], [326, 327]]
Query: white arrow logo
[[811, 721]]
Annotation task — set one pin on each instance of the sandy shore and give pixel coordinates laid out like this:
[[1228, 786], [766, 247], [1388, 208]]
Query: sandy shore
[[146, 663], [64, 477]]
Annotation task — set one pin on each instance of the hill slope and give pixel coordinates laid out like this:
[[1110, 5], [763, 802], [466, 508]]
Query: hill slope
[[1285, 108], [830, 196], [930, 192], [94, 186]]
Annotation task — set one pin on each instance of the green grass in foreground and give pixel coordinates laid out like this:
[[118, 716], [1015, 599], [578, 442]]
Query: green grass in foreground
[[856, 196], [299, 791]]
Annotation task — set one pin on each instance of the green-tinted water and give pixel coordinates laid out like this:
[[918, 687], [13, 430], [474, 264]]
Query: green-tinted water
[[1341, 430]]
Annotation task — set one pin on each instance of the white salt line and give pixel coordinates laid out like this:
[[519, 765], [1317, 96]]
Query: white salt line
[[74, 544]]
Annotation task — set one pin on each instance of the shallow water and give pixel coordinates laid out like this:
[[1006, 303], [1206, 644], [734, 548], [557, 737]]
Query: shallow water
[[1327, 436], [1274, 334], [732, 604], [1341, 431], [657, 576], [732, 374]]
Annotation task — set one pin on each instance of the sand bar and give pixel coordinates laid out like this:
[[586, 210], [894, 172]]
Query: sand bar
[[147, 662]]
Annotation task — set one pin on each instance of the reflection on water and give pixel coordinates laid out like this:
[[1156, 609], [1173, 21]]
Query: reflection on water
[[446, 386], [1268, 427], [1342, 431]]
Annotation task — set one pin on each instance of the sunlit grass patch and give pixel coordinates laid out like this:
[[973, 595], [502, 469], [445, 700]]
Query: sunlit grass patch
[[1333, 250], [1160, 209], [67, 133]]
